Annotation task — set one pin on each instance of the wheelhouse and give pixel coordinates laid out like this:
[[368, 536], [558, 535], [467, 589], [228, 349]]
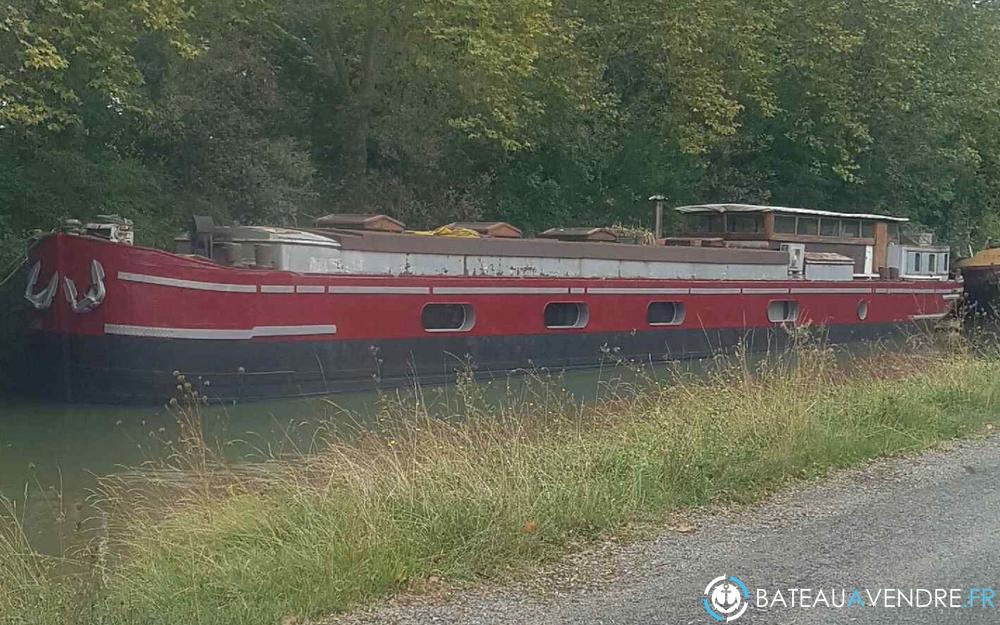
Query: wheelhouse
[[875, 245]]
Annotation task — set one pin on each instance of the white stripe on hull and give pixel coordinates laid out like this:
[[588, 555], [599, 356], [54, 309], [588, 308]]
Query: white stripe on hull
[[762, 291], [701, 291], [214, 334], [929, 317], [187, 284], [907, 291], [500, 290], [379, 290], [829, 291], [637, 291]]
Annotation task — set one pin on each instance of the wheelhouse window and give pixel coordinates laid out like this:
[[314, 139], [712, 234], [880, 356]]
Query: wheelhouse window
[[893, 232], [448, 317], [701, 224], [665, 313], [784, 224], [561, 315], [829, 227], [783, 311], [868, 229], [808, 226], [851, 228], [743, 223]]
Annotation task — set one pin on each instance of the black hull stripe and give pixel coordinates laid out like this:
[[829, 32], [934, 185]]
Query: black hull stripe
[[139, 369]]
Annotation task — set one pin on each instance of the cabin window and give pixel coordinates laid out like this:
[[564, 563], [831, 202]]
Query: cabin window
[[916, 262], [808, 226], [566, 315], [851, 228], [829, 227], [893, 232], [932, 263], [783, 311], [665, 314], [743, 223], [448, 317], [863, 310], [784, 224], [702, 224], [868, 229], [944, 263]]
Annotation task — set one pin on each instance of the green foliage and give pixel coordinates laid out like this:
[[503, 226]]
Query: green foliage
[[60, 57], [540, 112]]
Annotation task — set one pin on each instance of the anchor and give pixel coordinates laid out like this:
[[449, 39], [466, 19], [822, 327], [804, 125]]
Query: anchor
[[43, 299], [95, 294]]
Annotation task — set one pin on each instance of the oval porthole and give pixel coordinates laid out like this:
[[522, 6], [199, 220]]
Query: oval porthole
[[563, 315], [665, 313], [448, 317], [782, 311], [862, 310]]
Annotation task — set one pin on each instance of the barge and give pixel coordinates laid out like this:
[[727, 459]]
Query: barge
[[356, 302]]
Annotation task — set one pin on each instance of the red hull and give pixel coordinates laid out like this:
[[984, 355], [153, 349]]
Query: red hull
[[156, 295]]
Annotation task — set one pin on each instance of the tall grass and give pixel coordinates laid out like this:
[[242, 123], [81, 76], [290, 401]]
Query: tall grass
[[498, 486]]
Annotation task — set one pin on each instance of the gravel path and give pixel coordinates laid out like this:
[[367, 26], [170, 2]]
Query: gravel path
[[923, 522]]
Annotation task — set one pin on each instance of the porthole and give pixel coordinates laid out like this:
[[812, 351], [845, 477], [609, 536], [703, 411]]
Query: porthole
[[448, 317], [562, 315], [665, 313], [862, 310], [783, 311]]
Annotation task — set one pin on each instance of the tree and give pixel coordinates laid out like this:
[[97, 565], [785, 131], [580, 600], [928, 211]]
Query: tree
[[57, 57]]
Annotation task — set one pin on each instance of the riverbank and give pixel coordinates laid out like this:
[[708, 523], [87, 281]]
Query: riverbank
[[503, 486]]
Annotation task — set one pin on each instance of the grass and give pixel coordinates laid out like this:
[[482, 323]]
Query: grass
[[499, 488]]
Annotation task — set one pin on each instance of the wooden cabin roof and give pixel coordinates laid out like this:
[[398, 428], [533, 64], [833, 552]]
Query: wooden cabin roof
[[360, 221], [500, 229]]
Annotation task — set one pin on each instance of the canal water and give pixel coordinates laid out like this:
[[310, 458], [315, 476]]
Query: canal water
[[51, 454]]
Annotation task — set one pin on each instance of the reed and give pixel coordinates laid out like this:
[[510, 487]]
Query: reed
[[496, 486]]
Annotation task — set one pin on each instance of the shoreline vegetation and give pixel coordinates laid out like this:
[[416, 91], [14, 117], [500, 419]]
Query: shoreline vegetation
[[492, 488]]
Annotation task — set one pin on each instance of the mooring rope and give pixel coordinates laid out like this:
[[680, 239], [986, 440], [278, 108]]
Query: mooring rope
[[14, 267]]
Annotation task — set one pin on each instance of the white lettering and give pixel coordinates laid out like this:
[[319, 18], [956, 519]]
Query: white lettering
[[873, 601], [805, 597], [761, 598], [778, 597], [821, 598], [843, 598], [956, 597], [924, 598], [890, 598], [905, 597], [940, 594]]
